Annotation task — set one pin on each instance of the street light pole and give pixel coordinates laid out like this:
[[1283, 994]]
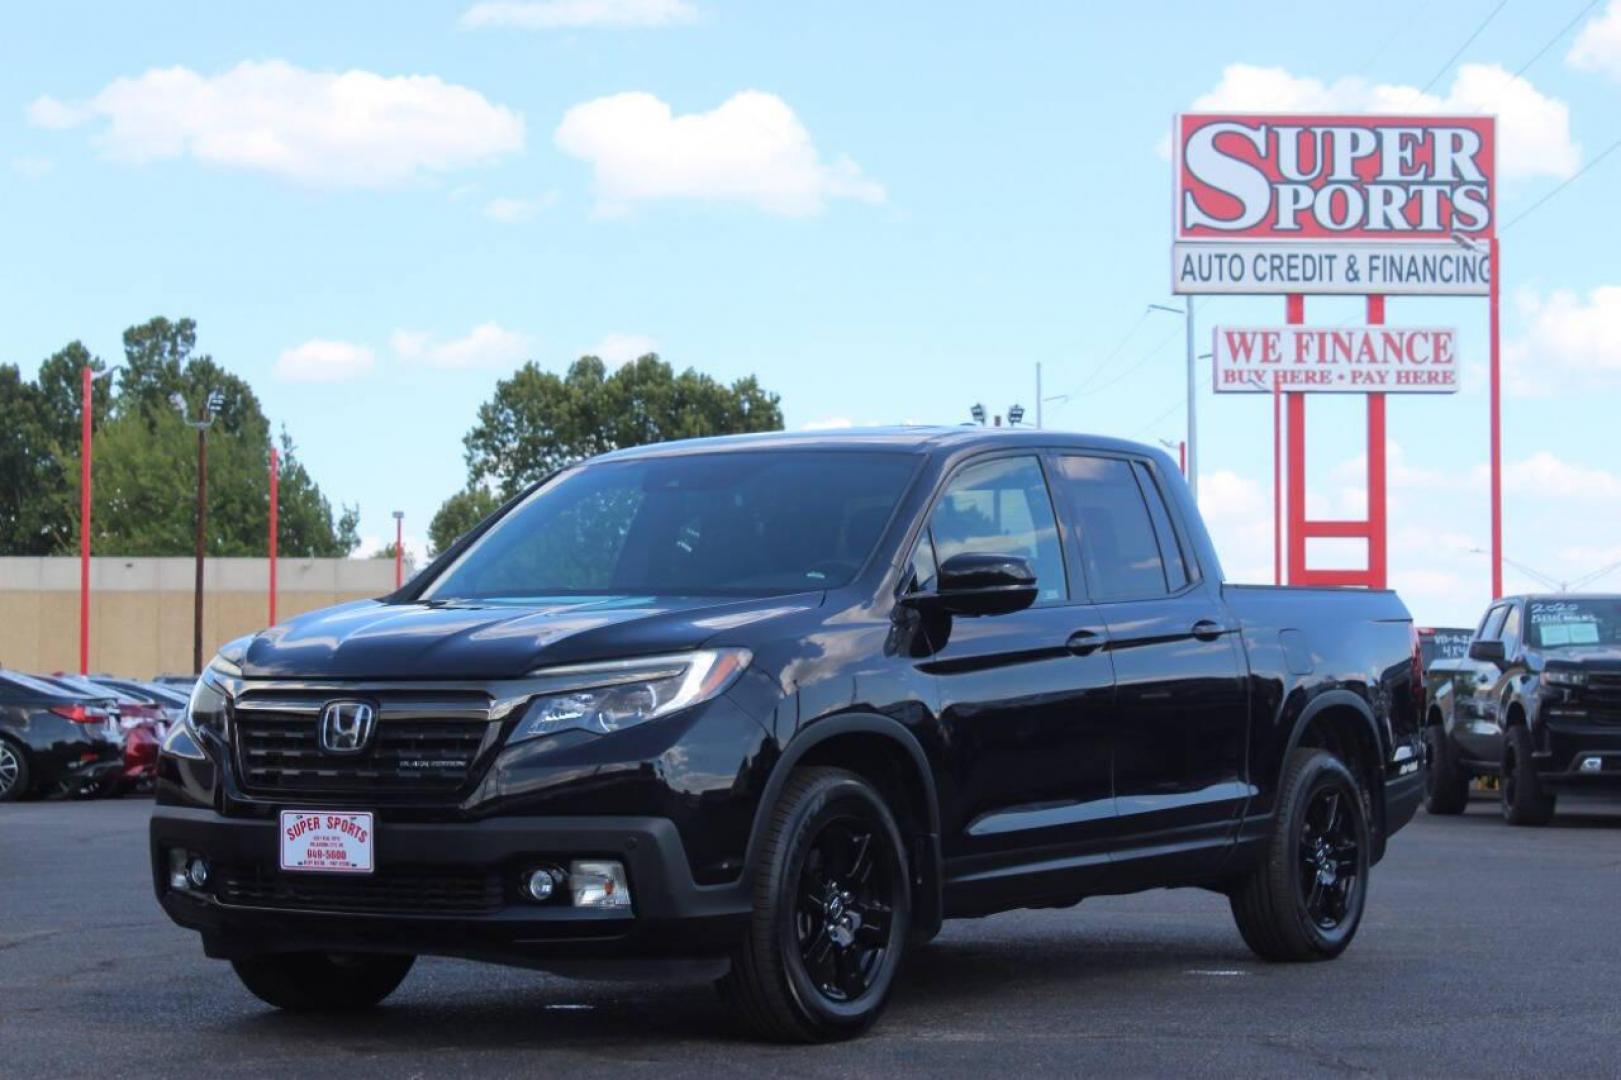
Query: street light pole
[[88, 379], [211, 406], [399, 551], [1192, 467], [275, 499]]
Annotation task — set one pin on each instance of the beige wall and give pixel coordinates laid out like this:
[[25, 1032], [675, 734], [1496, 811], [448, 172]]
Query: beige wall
[[141, 609]]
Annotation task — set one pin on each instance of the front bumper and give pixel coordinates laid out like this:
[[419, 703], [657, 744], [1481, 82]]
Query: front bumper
[[671, 916], [1566, 744]]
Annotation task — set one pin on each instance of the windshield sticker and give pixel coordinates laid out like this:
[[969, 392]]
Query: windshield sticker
[[1583, 633], [1554, 634], [1561, 613]]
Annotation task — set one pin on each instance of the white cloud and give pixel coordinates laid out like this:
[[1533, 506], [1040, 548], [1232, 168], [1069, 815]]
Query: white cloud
[[486, 345], [1545, 475], [1533, 128], [617, 349], [1564, 333], [752, 149], [319, 360], [329, 129], [514, 211], [1237, 510], [579, 14], [1598, 46]]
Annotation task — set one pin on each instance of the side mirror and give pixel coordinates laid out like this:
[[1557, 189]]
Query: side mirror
[[981, 584], [1488, 652]]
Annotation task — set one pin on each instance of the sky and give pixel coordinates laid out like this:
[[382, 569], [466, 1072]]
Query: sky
[[886, 212]]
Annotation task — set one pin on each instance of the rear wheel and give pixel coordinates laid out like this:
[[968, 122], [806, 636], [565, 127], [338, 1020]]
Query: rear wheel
[[309, 981], [1305, 900], [14, 775], [1525, 801], [832, 912], [1446, 787]]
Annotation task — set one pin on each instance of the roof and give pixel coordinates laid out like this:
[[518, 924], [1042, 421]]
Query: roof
[[913, 439]]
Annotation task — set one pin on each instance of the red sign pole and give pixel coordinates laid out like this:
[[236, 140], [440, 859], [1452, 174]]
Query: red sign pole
[[1377, 548], [275, 496], [84, 528], [1495, 265], [1277, 480], [1295, 315], [399, 552]]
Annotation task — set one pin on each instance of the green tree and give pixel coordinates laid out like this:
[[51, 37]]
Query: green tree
[[537, 422], [458, 514], [34, 516]]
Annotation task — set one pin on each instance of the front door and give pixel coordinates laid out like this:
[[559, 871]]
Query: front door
[[1024, 697]]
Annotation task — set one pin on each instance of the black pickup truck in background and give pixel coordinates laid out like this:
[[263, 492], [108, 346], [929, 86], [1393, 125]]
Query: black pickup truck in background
[[1536, 700], [1442, 645], [774, 706]]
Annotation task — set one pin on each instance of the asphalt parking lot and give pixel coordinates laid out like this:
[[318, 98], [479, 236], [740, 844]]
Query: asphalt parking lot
[[1487, 951]]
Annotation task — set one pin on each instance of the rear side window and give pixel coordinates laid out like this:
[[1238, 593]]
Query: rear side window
[[1002, 507], [1177, 575], [1119, 545]]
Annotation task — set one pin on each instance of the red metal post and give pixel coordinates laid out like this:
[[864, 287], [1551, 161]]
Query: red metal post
[[275, 495], [1377, 550], [1277, 480], [84, 526], [1495, 265], [399, 553], [1182, 457], [1296, 315]]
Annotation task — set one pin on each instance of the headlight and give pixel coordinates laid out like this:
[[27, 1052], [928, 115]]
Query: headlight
[[1563, 677], [611, 696]]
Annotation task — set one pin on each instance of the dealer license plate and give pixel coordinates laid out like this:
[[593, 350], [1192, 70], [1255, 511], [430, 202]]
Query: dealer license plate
[[327, 841]]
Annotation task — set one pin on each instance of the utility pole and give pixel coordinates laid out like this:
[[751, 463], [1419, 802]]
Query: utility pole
[[211, 406], [399, 549], [1038, 395], [1193, 412]]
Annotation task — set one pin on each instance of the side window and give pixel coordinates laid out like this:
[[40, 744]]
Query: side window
[[1492, 628], [1511, 630], [1119, 546], [920, 575], [1170, 544], [1002, 508]]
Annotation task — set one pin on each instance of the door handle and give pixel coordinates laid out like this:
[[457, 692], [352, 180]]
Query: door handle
[[1085, 642], [1208, 630]]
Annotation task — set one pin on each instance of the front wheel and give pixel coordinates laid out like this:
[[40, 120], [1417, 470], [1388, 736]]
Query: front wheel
[[328, 982], [1305, 900], [832, 911], [1525, 801], [14, 777]]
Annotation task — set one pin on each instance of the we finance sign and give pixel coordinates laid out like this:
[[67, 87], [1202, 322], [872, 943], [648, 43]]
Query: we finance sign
[[1333, 204], [1335, 359]]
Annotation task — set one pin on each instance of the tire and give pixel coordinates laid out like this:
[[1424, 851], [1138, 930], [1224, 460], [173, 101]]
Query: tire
[[16, 779], [1525, 801], [1446, 787], [1305, 900], [832, 913], [309, 981]]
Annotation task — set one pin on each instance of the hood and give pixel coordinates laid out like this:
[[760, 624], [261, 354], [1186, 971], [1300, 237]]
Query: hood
[[371, 639], [1587, 657]]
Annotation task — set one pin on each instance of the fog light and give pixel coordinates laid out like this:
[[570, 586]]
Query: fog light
[[541, 885], [1592, 764], [197, 872], [598, 883]]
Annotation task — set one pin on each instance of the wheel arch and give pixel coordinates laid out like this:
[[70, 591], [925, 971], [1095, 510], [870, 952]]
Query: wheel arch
[[1342, 723], [884, 753]]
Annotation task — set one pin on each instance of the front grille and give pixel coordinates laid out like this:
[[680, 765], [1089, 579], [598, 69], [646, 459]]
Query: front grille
[[396, 892], [424, 745]]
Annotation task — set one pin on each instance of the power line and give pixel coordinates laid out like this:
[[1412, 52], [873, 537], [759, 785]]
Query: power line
[[1571, 179], [1563, 30], [1470, 40], [1114, 352], [1147, 356]]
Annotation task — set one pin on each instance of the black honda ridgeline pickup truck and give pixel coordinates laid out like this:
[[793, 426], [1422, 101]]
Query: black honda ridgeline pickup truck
[[767, 709]]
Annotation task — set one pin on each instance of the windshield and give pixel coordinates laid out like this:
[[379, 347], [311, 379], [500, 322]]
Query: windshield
[[748, 523], [1559, 624]]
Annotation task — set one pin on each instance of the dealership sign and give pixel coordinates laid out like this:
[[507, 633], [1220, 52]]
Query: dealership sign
[[1333, 204], [1335, 359]]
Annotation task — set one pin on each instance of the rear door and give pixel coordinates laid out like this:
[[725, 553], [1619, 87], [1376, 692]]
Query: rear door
[[1181, 714], [1024, 697]]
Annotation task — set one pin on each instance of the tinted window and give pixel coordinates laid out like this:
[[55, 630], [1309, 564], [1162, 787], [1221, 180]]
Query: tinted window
[[746, 523], [1511, 630], [1492, 628], [920, 576], [1002, 508], [16, 684], [1170, 544], [1119, 546]]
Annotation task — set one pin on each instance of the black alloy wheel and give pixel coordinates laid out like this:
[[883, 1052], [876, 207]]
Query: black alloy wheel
[[846, 909], [832, 911], [1330, 862], [1304, 900]]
